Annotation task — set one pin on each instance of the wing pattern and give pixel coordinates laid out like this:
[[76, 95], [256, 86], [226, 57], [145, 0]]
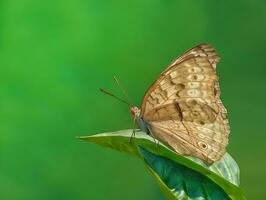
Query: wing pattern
[[183, 106]]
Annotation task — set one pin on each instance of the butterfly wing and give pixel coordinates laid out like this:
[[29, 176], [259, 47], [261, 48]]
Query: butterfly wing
[[183, 106]]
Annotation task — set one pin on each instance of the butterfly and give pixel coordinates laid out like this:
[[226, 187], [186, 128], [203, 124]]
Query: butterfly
[[182, 108]]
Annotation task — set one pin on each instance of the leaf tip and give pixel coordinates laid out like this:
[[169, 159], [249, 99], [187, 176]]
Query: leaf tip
[[81, 137]]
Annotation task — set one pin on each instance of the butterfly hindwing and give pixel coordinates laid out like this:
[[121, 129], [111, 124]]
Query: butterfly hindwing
[[199, 142]]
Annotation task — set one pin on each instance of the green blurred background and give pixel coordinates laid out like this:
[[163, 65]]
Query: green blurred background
[[54, 55]]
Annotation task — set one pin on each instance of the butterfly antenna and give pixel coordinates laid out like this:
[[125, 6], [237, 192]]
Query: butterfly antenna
[[116, 97], [122, 89]]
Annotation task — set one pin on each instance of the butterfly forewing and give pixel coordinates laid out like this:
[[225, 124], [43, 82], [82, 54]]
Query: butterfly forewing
[[183, 106]]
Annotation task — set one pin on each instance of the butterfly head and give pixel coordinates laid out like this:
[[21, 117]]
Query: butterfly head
[[135, 111]]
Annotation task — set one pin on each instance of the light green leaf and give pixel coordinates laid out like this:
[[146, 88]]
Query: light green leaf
[[179, 177]]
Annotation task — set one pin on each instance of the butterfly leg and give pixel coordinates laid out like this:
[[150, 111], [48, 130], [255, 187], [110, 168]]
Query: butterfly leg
[[132, 135], [155, 141], [133, 131]]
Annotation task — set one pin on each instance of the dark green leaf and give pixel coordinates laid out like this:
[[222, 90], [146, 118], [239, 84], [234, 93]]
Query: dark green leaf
[[181, 180]]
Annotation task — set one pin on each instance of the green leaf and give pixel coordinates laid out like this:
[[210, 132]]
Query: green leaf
[[182, 181], [179, 177]]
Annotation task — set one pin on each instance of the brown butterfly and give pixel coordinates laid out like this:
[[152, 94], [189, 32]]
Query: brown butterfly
[[182, 108]]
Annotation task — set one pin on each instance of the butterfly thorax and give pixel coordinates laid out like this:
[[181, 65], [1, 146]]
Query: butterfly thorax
[[136, 113]]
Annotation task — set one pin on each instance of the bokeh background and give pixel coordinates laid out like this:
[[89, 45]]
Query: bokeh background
[[54, 55]]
